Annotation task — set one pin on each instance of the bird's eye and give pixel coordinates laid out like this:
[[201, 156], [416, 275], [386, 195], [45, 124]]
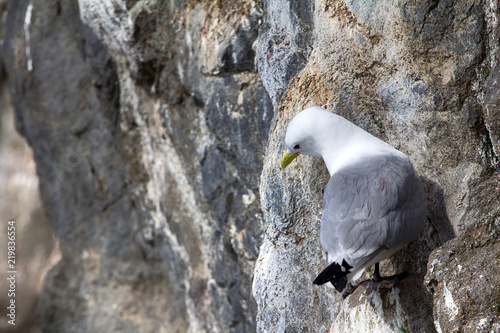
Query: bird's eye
[[296, 147]]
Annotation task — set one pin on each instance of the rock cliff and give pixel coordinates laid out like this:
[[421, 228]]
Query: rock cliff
[[157, 128]]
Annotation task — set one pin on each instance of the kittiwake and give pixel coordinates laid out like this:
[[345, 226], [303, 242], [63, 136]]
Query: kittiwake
[[374, 203]]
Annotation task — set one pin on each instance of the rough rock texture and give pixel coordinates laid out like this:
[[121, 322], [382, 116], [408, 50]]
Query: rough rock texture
[[157, 128], [464, 276], [148, 124], [414, 73], [384, 307], [36, 249]]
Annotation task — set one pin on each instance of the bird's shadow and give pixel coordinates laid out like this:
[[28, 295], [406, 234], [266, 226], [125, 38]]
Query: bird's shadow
[[436, 210]]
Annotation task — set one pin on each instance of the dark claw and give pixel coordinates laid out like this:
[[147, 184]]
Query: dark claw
[[349, 290]]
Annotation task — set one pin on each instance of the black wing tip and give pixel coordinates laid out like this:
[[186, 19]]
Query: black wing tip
[[335, 275], [318, 281], [346, 266], [339, 283]]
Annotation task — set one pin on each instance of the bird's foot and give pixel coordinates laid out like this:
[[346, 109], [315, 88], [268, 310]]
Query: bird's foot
[[377, 278], [349, 289]]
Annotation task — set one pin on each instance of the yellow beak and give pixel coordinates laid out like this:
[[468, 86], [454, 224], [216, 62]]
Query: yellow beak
[[287, 159]]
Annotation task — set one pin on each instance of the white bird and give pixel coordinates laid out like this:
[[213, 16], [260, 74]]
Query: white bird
[[374, 203]]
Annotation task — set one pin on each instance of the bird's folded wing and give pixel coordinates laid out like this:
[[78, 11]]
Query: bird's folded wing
[[370, 206]]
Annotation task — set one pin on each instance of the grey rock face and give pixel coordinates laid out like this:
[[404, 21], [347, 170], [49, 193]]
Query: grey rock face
[[148, 125], [34, 245], [492, 114], [412, 74], [464, 276], [285, 41], [157, 145], [386, 307]]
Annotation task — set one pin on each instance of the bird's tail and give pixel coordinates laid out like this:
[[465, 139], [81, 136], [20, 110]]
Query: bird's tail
[[335, 274]]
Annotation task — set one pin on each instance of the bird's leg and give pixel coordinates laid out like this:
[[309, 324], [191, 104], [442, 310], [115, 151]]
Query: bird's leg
[[376, 274], [350, 288], [377, 278]]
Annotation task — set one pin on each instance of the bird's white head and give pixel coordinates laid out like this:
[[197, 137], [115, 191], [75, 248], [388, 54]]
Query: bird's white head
[[317, 132], [307, 132]]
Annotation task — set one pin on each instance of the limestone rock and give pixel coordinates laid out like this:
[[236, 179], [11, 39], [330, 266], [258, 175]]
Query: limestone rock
[[284, 43], [464, 278], [31, 237], [410, 73], [157, 128], [381, 307], [148, 125]]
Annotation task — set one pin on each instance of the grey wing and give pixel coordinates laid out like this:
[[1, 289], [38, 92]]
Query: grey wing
[[376, 205]]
